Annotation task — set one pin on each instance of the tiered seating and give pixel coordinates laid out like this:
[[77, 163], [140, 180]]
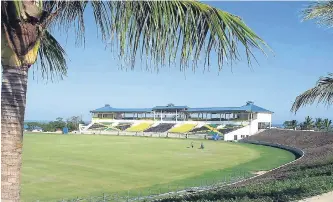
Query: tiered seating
[[140, 127], [205, 128], [123, 126], [182, 128], [160, 128], [201, 129], [97, 126], [108, 126]]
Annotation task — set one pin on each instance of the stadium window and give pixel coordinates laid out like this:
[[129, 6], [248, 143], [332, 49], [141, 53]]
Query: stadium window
[[235, 137], [242, 136]]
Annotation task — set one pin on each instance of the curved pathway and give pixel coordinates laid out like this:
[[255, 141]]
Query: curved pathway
[[327, 197]]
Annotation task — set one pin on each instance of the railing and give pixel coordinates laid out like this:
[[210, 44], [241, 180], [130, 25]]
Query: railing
[[97, 120]]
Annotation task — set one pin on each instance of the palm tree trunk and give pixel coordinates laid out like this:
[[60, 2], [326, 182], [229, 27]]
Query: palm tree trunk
[[13, 100]]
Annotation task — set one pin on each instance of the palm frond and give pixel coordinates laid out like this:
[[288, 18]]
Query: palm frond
[[165, 31], [52, 57], [322, 12], [321, 93]]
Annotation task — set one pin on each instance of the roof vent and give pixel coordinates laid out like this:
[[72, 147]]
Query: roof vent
[[249, 103], [107, 105], [170, 105]]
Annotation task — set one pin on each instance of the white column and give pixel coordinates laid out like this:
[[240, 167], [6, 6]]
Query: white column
[[250, 124], [161, 116], [176, 116], [154, 115]]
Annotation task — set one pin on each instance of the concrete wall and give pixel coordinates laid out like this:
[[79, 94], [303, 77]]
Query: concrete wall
[[143, 134], [264, 117], [241, 133], [250, 129]]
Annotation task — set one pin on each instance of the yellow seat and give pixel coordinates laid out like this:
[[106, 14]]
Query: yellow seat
[[182, 128], [138, 128]]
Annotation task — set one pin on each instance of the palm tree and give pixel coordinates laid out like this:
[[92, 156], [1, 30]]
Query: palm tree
[[287, 124], [327, 124], [322, 93], [293, 124], [308, 123], [161, 32], [322, 12], [318, 123], [290, 124]]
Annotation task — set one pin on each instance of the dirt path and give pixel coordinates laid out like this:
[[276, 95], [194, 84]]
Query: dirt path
[[327, 197]]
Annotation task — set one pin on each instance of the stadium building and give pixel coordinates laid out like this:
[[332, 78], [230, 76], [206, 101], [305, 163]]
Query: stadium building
[[229, 123]]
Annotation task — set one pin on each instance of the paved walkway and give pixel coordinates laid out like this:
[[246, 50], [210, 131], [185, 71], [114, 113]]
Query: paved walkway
[[328, 197]]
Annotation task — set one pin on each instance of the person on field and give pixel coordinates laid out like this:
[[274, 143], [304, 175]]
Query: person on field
[[192, 145], [202, 146]]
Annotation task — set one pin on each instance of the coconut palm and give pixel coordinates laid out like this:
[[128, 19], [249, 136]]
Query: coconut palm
[[322, 12], [160, 33], [318, 123], [327, 124], [321, 93], [293, 124], [286, 124], [290, 124], [308, 123]]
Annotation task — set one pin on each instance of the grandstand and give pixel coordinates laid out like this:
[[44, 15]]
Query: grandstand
[[233, 123]]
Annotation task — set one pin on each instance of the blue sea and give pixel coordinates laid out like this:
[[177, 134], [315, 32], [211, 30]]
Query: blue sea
[[280, 125]]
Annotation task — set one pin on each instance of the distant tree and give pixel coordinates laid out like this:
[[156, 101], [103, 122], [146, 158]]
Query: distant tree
[[290, 124], [286, 124], [319, 123], [59, 124], [327, 124], [301, 126], [308, 124], [73, 123], [32, 125], [293, 124]]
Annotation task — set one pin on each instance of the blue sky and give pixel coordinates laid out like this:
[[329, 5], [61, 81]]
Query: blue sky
[[302, 53]]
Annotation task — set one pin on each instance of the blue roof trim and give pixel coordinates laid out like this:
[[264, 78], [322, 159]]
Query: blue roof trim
[[213, 109], [170, 107], [111, 109], [249, 107]]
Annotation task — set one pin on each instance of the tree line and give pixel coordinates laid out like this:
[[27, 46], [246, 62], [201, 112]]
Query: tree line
[[309, 123], [71, 123]]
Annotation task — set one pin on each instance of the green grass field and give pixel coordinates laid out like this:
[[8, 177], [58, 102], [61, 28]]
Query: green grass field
[[67, 166]]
